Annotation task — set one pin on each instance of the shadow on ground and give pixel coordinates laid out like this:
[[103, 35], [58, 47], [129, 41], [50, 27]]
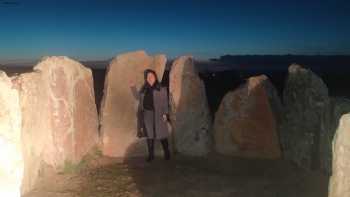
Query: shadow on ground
[[184, 176]]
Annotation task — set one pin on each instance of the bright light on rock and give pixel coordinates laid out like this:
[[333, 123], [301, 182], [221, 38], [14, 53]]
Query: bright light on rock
[[11, 160]]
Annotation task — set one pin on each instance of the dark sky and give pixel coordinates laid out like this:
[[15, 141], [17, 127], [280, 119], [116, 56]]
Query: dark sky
[[100, 29]]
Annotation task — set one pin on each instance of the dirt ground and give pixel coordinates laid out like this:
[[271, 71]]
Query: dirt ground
[[182, 176]]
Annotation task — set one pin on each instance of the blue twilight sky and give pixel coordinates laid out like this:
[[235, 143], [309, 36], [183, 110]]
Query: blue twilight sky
[[100, 29]]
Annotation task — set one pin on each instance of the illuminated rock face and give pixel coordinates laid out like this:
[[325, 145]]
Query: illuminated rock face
[[340, 179], [60, 122], [119, 103], [11, 159], [245, 124], [189, 108], [35, 126], [336, 108]]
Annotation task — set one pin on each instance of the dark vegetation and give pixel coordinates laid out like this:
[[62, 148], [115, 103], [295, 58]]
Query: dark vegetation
[[223, 74]]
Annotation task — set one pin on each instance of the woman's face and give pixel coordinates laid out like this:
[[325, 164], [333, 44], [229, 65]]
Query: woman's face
[[151, 78]]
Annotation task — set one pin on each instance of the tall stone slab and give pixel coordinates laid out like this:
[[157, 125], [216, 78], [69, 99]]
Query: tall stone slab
[[306, 100], [336, 108], [60, 122], [339, 185], [118, 120], [11, 156], [190, 116]]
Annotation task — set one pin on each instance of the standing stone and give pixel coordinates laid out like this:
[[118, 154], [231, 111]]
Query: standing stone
[[60, 122], [306, 99], [336, 108], [35, 127], [189, 108], [340, 180], [11, 158], [245, 124], [119, 104]]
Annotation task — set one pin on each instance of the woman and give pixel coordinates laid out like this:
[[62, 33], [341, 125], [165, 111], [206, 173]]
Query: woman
[[153, 114]]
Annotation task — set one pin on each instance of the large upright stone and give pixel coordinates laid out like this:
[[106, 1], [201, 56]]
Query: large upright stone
[[336, 108], [246, 124], [340, 180], [36, 131], [306, 99], [60, 122], [189, 108], [11, 158], [119, 104]]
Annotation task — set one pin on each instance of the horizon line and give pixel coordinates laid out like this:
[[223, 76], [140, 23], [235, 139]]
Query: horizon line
[[32, 60]]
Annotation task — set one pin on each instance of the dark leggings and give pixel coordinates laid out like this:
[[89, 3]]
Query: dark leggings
[[165, 145]]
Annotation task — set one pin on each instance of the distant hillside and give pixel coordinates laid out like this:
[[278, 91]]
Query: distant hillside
[[100, 64], [271, 62], [235, 62], [15, 70]]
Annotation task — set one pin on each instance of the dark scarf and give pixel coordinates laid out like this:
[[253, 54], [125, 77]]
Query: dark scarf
[[148, 98], [146, 87]]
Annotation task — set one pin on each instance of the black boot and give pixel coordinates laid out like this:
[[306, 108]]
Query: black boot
[[150, 145], [165, 146]]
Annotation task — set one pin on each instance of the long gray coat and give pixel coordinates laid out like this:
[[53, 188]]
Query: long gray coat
[[161, 106]]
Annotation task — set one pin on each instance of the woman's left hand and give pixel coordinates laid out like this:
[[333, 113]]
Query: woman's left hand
[[165, 118]]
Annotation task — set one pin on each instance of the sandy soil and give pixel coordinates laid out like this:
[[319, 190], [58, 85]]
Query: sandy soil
[[183, 176]]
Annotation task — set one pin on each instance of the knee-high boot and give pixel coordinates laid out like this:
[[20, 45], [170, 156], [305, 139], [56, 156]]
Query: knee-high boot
[[165, 146], [150, 145]]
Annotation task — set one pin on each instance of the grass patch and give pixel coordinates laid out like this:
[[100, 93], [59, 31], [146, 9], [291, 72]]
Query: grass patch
[[69, 167], [96, 152]]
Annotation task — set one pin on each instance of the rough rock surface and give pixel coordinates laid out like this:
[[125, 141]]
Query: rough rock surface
[[119, 104], [340, 180], [274, 101], [189, 108], [305, 99], [11, 158], [60, 122], [336, 108], [245, 124]]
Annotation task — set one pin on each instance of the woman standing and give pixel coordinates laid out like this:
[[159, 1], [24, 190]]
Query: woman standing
[[153, 114]]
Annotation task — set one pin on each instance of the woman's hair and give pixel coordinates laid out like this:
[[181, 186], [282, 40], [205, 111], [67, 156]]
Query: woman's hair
[[156, 83]]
